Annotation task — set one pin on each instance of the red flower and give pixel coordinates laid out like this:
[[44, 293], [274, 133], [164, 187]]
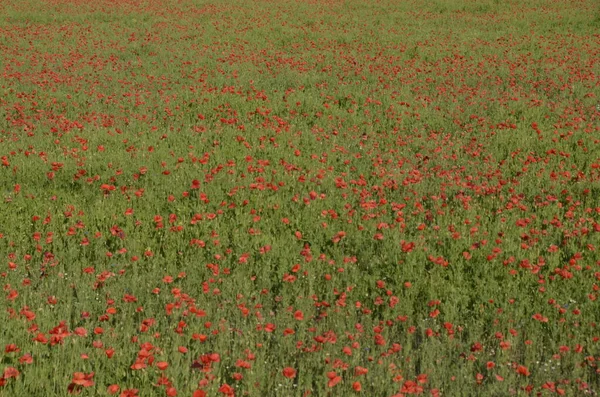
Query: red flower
[[10, 372], [338, 237], [227, 390], [410, 387], [270, 327], [289, 372], [407, 246], [107, 188], [479, 378], [334, 379], [81, 379], [522, 370], [162, 365], [298, 315], [140, 363], [540, 317], [26, 359], [505, 345], [476, 347], [80, 331], [10, 348]]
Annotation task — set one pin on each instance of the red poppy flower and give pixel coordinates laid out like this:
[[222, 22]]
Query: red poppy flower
[[289, 372], [334, 379], [81, 379], [162, 365], [226, 389], [522, 370], [10, 372]]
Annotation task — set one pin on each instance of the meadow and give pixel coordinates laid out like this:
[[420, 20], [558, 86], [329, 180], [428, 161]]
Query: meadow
[[299, 198]]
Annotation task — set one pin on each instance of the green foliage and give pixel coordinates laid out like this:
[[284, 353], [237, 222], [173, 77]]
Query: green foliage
[[401, 194]]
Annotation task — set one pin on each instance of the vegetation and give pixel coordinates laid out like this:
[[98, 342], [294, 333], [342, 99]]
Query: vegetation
[[293, 198]]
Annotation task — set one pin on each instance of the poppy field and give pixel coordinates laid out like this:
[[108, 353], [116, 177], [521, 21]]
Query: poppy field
[[299, 198]]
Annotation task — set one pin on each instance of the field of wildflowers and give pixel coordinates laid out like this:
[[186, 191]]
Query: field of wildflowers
[[299, 198]]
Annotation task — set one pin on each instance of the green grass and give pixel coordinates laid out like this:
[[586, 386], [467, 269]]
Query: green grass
[[455, 145]]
